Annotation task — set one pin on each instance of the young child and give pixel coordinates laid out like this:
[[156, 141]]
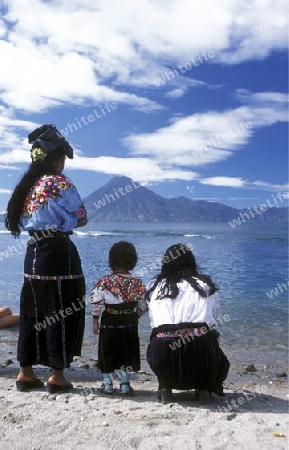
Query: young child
[[119, 298]]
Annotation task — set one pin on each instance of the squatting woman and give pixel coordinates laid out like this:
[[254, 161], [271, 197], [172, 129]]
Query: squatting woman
[[184, 350]]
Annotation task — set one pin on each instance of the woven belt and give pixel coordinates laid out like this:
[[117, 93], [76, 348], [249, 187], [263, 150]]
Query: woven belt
[[119, 311], [41, 234], [182, 332]]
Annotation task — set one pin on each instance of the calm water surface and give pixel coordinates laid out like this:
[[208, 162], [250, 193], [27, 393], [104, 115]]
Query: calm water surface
[[249, 264]]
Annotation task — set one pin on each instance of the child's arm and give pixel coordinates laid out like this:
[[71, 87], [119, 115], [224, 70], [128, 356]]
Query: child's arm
[[141, 306], [97, 303], [95, 325]]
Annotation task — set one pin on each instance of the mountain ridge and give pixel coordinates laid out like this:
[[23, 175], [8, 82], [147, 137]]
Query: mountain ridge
[[124, 200]]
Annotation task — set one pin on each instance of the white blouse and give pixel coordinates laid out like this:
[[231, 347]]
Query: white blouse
[[188, 306]]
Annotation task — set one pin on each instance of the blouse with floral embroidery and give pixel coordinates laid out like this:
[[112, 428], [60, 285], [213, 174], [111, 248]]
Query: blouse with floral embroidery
[[114, 289], [52, 201]]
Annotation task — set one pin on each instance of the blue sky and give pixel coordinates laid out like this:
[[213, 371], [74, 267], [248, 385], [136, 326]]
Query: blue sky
[[187, 98]]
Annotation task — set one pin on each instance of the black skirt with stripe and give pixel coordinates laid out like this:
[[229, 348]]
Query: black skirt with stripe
[[52, 304], [118, 345], [188, 363]]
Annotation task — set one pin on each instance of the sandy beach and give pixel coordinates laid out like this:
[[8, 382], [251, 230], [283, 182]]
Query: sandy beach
[[254, 409]]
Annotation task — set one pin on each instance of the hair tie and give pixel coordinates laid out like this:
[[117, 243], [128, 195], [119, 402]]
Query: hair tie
[[37, 154]]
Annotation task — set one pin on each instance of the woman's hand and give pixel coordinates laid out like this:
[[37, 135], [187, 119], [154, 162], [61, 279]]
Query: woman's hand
[[95, 326], [81, 222]]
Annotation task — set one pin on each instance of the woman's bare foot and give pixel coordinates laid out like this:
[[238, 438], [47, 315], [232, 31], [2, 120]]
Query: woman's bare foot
[[59, 379], [26, 374]]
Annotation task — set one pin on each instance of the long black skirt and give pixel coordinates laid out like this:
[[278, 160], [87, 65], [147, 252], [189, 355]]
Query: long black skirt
[[118, 345], [52, 304], [188, 363]]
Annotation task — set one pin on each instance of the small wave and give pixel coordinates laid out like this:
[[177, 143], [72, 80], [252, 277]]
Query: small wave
[[278, 239], [87, 233], [153, 233], [199, 235], [98, 233], [126, 233]]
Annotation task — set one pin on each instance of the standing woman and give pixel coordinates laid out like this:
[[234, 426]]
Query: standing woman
[[184, 350], [52, 305]]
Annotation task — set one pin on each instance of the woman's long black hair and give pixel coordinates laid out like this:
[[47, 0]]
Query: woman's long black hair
[[179, 263], [35, 171]]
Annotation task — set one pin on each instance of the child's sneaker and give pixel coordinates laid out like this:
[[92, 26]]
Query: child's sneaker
[[126, 389], [107, 388]]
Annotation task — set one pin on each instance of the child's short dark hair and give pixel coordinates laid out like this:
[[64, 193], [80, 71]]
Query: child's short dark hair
[[122, 255]]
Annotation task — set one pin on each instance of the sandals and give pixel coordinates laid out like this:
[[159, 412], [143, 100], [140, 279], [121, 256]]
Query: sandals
[[54, 388], [29, 385], [129, 392]]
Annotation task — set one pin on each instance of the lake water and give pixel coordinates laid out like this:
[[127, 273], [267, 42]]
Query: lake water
[[249, 263]]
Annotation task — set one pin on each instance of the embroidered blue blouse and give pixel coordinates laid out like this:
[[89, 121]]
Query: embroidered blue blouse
[[52, 201]]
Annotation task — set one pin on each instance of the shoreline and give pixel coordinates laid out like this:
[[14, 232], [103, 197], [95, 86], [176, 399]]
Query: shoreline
[[255, 407]]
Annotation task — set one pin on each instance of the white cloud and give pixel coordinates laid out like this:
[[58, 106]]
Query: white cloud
[[208, 137], [5, 191], [167, 153], [262, 97], [139, 169], [237, 182], [175, 93], [3, 29], [54, 80], [15, 156], [271, 186], [79, 52], [12, 144], [256, 32], [224, 181], [8, 167]]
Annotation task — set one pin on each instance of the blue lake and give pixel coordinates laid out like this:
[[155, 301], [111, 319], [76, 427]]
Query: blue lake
[[249, 263]]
